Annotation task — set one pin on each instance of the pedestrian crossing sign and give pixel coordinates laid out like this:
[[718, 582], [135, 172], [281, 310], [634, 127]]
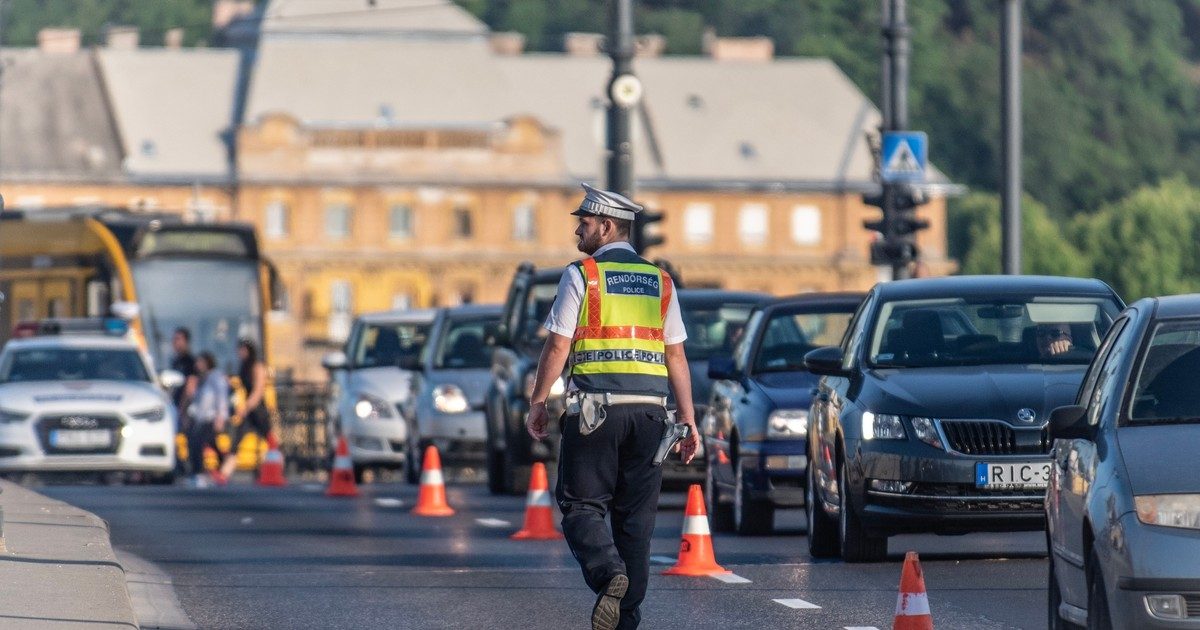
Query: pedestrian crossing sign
[[904, 156]]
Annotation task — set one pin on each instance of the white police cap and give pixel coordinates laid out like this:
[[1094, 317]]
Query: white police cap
[[606, 204]]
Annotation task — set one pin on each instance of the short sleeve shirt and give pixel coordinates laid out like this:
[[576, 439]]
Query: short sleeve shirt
[[564, 315]]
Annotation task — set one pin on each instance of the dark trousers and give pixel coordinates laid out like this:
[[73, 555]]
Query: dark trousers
[[609, 472], [200, 435]]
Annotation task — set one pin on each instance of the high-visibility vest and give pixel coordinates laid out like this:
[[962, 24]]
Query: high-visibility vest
[[618, 344]]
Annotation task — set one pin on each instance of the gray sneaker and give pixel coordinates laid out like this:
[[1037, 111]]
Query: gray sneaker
[[607, 611]]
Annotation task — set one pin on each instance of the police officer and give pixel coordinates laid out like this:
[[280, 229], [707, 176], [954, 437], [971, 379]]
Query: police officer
[[616, 318]]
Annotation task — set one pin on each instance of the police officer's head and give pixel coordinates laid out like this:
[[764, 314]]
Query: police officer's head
[[604, 217]]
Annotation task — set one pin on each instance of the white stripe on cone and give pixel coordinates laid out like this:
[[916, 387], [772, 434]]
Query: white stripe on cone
[[432, 477], [538, 498], [342, 463], [697, 525], [912, 604]]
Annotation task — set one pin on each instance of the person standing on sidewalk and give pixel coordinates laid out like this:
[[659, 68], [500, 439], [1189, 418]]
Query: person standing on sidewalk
[[617, 319], [208, 412]]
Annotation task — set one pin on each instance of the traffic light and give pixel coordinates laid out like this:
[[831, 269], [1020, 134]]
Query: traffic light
[[646, 233], [897, 227]]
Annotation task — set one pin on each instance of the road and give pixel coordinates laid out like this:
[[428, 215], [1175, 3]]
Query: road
[[249, 557]]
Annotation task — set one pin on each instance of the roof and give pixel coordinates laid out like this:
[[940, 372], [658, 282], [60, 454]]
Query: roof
[[475, 311], [171, 128], [367, 17], [1177, 306], [413, 316], [845, 299], [54, 122], [689, 297], [72, 341], [977, 286]]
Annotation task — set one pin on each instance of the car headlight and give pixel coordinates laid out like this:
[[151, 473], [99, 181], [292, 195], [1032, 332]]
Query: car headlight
[[150, 415], [882, 426], [787, 423], [926, 431], [369, 407], [1169, 510], [11, 417], [557, 389], [449, 399]]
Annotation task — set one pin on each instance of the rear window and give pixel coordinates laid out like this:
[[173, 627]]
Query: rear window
[[1168, 380], [713, 329], [73, 364]]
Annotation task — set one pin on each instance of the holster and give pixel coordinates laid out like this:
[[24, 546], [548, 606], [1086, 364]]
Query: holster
[[672, 434]]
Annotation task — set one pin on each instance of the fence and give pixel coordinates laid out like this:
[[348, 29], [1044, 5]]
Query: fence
[[303, 425]]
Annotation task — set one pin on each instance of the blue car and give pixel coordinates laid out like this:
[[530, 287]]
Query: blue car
[[756, 423]]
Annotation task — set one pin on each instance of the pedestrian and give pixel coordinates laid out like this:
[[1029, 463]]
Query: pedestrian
[[616, 317], [252, 415], [208, 414], [185, 363]]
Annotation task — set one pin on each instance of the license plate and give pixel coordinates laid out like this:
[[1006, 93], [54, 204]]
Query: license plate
[[1016, 475], [99, 438]]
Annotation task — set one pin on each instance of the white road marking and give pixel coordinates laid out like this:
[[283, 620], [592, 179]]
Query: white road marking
[[312, 487], [388, 502], [493, 522], [247, 520], [859, 628], [798, 604], [730, 578], [662, 560]]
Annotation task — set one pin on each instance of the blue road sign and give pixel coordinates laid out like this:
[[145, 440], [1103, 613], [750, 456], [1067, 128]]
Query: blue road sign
[[904, 156]]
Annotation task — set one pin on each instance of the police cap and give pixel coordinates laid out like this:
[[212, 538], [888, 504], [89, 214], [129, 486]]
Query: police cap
[[606, 204]]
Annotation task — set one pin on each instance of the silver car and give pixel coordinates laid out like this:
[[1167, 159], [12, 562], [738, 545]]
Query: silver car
[[371, 384], [447, 405]]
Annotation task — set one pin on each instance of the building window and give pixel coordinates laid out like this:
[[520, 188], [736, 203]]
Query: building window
[[337, 221], [698, 223], [400, 222], [752, 224], [806, 225], [462, 223], [524, 223], [401, 302], [277, 220], [340, 307]]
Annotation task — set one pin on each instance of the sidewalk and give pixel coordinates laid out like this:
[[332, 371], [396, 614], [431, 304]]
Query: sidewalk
[[58, 566]]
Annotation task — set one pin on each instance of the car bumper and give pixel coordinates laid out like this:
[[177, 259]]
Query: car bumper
[[1156, 570], [377, 441], [148, 447], [942, 497], [775, 471]]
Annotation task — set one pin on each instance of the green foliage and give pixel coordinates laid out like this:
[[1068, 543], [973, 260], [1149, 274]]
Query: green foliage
[[24, 18], [975, 219]]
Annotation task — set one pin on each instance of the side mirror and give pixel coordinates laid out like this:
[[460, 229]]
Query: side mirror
[[1070, 423], [722, 369], [410, 362], [171, 379], [334, 361], [825, 361]]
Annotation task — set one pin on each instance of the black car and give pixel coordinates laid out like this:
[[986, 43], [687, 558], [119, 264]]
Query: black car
[[931, 416], [509, 450], [755, 426], [1123, 506]]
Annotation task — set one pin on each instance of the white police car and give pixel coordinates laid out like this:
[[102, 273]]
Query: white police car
[[85, 401]]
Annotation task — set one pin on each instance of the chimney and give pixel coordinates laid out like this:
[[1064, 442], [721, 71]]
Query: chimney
[[173, 39], [226, 11], [507, 44], [121, 38], [59, 41], [651, 45], [752, 49], [583, 44]]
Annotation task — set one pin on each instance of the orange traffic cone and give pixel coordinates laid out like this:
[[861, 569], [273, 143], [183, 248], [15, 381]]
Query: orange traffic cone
[[912, 604], [431, 499], [695, 550], [270, 471], [341, 479], [538, 515]]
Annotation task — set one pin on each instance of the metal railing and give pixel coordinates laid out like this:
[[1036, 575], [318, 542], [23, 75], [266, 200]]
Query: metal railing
[[303, 426]]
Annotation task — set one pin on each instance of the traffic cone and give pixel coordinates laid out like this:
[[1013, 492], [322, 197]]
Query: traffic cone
[[912, 604], [270, 471], [695, 549], [431, 499], [341, 479], [538, 515]]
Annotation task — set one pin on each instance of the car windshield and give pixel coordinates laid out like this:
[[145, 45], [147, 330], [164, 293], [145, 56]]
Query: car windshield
[[389, 344], [1166, 388], [713, 329], [537, 308], [73, 364], [464, 345], [790, 334], [1033, 329]]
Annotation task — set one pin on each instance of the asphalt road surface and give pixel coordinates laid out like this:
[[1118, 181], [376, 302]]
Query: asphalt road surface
[[249, 557]]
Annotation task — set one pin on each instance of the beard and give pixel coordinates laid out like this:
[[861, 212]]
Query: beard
[[588, 245]]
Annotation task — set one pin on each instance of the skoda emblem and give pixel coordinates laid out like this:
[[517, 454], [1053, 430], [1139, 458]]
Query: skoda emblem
[[1026, 415]]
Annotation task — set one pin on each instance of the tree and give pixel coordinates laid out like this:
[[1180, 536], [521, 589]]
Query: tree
[[975, 238]]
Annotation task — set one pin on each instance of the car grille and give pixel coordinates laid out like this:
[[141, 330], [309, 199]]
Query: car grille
[[70, 422], [992, 437], [954, 497], [1193, 605]]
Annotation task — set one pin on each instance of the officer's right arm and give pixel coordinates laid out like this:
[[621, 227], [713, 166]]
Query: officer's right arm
[[550, 367]]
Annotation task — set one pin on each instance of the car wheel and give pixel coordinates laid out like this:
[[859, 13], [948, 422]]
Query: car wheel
[[822, 530], [359, 472], [412, 462], [750, 517], [856, 544], [720, 515], [163, 479], [495, 471], [1098, 615]]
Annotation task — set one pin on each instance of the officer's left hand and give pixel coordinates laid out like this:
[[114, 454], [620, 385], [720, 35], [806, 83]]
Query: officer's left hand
[[689, 445]]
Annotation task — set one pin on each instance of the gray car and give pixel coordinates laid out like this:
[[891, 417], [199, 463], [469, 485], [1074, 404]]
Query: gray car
[[1123, 503], [449, 387]]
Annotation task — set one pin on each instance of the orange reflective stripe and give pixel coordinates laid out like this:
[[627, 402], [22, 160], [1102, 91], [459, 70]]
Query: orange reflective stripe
[[666, 294], [619, 332], [592, 277]]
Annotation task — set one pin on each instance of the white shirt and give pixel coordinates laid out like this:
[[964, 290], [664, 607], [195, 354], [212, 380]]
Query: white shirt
[[564, 315]]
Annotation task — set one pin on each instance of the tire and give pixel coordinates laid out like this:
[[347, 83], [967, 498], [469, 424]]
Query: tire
[[720, 515], [1099, 617], [856, 544], [750, 517], [163, 479], [359, 473], [1053, 599], [495, 471], [822, 529], [412, 467]]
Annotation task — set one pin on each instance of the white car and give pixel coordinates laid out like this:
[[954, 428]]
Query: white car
[[371, 384], [83, 403]]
